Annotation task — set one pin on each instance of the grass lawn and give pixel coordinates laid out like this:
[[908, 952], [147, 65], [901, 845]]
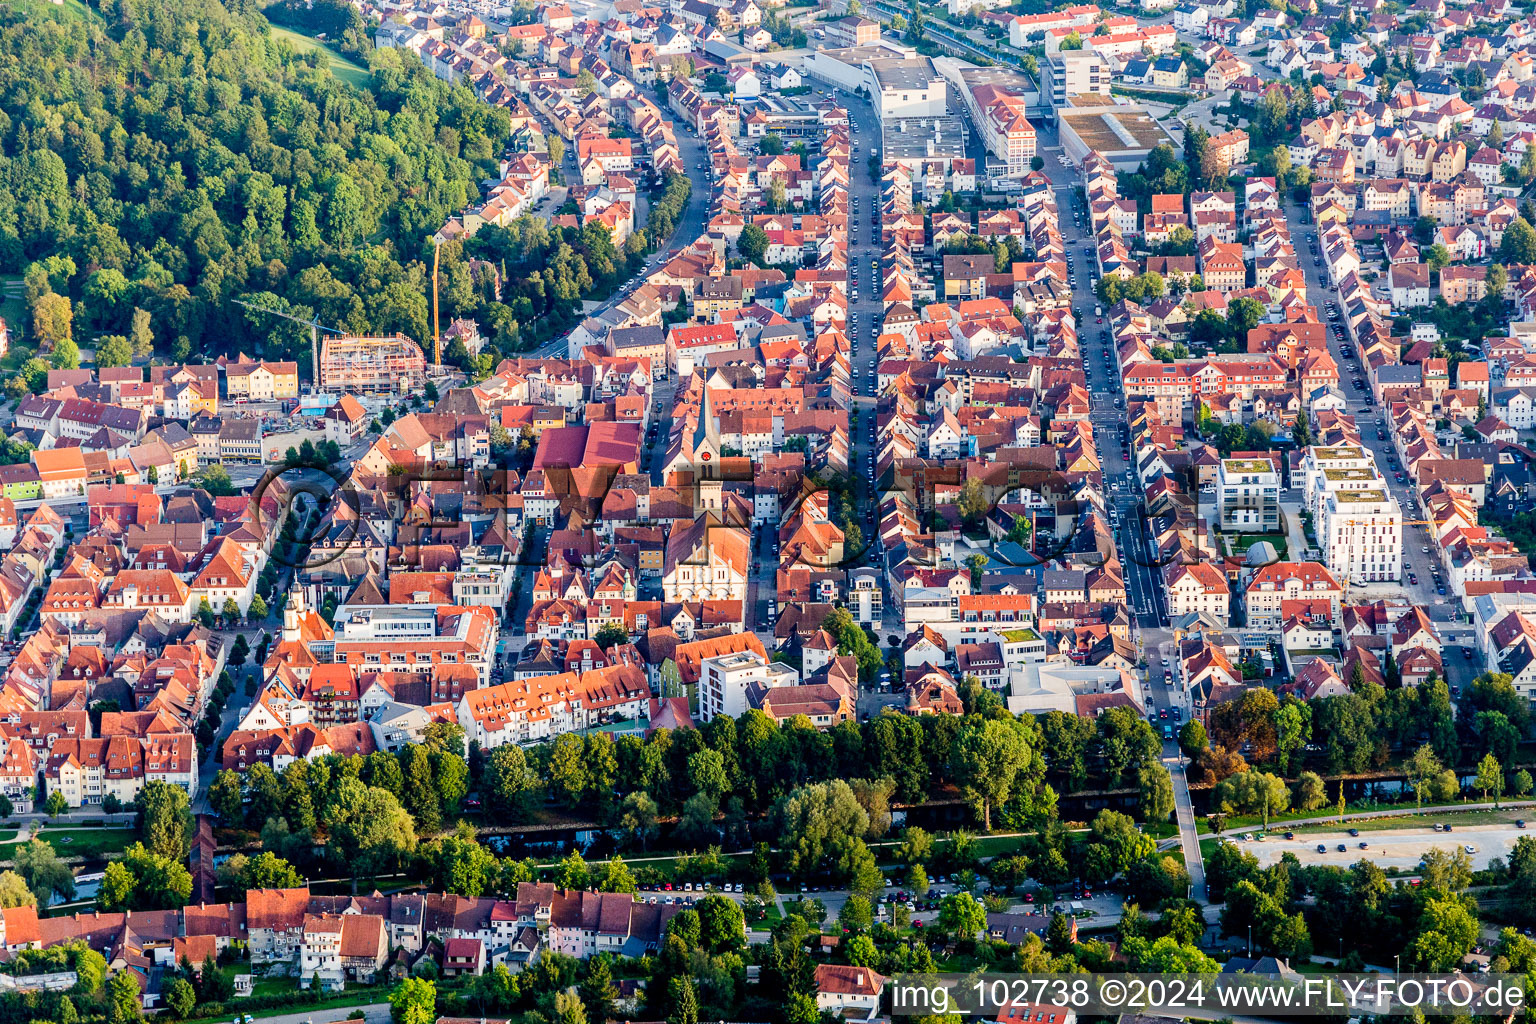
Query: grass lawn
[[340, 66], [766, 923], [1407, 819], [1417, 821], [13, 307], [958, 964], [1237, 822], [68, 11], [288, 986], [992, 846], [76, 842], [1243, 541]]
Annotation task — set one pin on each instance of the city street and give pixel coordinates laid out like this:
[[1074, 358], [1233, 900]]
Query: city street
[[689, 226], [1420, 553]]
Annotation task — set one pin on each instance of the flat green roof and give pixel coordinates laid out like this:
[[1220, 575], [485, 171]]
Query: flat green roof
[[1249, 465]]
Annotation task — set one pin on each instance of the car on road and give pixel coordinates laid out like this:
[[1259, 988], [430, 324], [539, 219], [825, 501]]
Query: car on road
[[1469, 848], [1290, 835], [1321, 848], [1354, 832], [1365, 846], [1343, 848]]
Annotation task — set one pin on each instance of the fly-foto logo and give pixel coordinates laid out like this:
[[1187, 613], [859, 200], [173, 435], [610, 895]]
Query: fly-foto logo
[[926, 505]]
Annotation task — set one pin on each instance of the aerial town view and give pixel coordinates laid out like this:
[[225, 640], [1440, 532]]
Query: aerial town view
[[542, 512]]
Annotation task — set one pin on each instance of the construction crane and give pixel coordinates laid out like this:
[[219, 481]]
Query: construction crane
[[315, 327]]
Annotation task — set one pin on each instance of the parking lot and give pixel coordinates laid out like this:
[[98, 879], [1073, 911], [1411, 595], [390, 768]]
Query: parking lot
[[1389, 848]]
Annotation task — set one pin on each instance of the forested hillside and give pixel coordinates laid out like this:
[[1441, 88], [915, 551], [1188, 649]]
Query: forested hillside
[[171, 155]]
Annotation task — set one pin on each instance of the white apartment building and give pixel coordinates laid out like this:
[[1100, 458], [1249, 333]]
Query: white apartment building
[[725, 680], [1073, 73], [866, 600], [1359, 524], [1248, 495], [1341, 467], [1361, 535]]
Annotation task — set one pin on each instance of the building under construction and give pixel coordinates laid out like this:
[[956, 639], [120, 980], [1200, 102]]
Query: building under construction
[[373, 365]]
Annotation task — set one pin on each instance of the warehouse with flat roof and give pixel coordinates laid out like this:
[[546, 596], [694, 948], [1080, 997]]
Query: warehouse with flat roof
[[1121, 133]]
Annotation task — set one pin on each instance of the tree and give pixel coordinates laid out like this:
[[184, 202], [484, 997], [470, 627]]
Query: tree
[[986, 759], [722, 928], [1156, 792], [639, 816], [1155, 879], [1243, 315], [368, 827], [1519, 242], [597, 990], [180, 998], [770, 145], [113, 350], [566, 771], [777, 194], [164, 820], [856, 914], [1073, 41], [1192, 738], [706, 771], [143, 880], [1447, 931], [1253, 792], [418, 793], [414, 1001], [56, 804], [972, 501], [52, 321], [861, 951], [46, 875], [962, 915], [507, 782], [1490, 777], [683, 1000], [1309, 793], [141, 336], [1422, 767], [752, 243], [14, 891], [257, 611], [65, 355], [613, 876], [215, 480], [123, 999]]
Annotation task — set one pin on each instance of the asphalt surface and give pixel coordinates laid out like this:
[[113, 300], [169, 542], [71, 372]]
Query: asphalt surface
[[373, 1013], [689, 227]]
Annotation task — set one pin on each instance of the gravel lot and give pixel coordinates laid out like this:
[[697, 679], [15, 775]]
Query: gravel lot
[[1399, 848]]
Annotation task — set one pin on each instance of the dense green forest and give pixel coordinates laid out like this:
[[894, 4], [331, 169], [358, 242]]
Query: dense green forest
[[172, 155]]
